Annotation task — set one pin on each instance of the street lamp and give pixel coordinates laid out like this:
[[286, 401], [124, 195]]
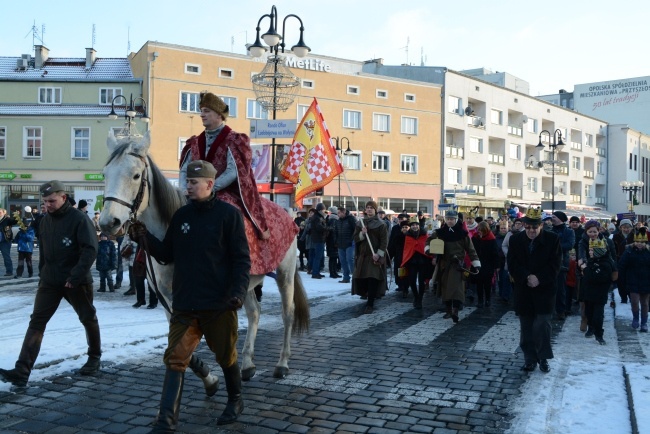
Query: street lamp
[[340, 151], [276, 86], [130, 113], [552, 165], [632, 187]]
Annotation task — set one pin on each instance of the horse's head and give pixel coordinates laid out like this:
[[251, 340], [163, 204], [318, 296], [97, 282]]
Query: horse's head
[[126, 189]]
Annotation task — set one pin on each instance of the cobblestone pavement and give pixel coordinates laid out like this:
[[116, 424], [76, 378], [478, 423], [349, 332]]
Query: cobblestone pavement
[[397, 370]]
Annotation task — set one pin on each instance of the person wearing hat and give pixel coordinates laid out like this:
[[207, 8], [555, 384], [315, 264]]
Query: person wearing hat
[[596, 281], [634, 269], [331, 246], [415, 260], [578, 230], [563, 298], [106, 262], [623, 237], [318, 236], [396, 250], [6, 237], [231, 155], [370, 242], [207, 243], [534, 260], [344, 230], [450, 265], [68, 250], [382, 216]]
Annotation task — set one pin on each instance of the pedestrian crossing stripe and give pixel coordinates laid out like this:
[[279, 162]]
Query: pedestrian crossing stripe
[[353, 326], [428, 330], [503, 337], [327, 382], [441, 397]]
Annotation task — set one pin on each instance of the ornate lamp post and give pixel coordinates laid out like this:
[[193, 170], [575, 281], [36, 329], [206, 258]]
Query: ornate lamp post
[[551, 166], [632, 187], [340, 150], [276, 86], [130, 113]]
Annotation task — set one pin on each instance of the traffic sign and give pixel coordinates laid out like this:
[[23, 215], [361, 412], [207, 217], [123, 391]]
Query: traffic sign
[[465, 190], [7, 175]]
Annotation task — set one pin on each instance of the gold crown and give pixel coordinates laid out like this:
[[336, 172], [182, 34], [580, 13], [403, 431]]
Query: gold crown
[[597, 244], [534, 213], [414, 219], [641, 236]]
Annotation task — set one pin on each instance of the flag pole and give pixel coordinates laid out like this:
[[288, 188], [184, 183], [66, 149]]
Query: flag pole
[[356, 205]]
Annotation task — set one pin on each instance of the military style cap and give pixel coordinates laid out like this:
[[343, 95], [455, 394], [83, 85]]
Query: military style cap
[[450, 213], [201, 169], [51, 187]]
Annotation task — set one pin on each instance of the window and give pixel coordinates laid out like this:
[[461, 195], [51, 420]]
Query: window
[[181, 144], [531, 184], [307, 84], [254, 110], [3, 142], [589, 140], [455, 105], [575, 163], [49, 95], [191, 68], [587, 190], [409, 97], [352, 119], [476, 145], [496, 116], [600, 167], [454, 176], [226, 73], [32, 142], [409, 125], [231, 101], [380, 162], [352, 161], [301, 110], [495, 180], [190, 102], [408, 164], [353, 90], [380, 122], [107, 95], [532, 126], [515, 151], [81, 143], [382, 94]]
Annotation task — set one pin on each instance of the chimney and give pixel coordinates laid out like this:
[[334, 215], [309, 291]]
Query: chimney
[[90, 57], [42, 53]]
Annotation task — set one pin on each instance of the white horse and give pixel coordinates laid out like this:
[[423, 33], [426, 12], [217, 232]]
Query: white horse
[[136, 188]]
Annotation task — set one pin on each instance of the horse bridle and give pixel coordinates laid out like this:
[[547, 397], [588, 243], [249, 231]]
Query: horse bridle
[[144, 183]]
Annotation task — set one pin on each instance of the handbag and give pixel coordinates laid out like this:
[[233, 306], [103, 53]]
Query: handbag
[[127, 251], [140, 264], [402, 272]]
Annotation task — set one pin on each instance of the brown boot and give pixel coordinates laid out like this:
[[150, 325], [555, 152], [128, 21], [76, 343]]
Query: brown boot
[[26, 359]]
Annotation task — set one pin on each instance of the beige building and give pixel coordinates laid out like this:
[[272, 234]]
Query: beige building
[[392, 124]]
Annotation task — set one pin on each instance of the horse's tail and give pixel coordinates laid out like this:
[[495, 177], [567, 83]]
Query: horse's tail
[[301, 304]]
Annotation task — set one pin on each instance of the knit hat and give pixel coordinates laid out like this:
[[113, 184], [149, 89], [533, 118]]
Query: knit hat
[[82, 204], [201, 169], [625, 222], [562, 216], [611, 227], [574, 219], [215, 103], [333, 210], [320, 206], [372, 204], [592, 224]]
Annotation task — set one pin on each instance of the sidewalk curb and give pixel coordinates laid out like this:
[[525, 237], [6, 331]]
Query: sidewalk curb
[[630, 402]]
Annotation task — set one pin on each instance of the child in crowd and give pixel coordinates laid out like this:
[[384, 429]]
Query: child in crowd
[[25, 241], [597, 278], [106, 262], [571, 278], [634, 269]]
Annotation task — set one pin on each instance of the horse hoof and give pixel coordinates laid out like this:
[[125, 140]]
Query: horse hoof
[[248, 373], [280, 372]]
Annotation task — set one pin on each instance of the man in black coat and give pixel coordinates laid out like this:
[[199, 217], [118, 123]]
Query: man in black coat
[[396, 250], [534, 260]]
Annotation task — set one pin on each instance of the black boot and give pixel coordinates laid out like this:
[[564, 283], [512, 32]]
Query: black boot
[[258, 293], [102, 288], [19, 271], [91, 367], [235, 404], [111, 287], [170, 402], [26, 359], [210, 382]]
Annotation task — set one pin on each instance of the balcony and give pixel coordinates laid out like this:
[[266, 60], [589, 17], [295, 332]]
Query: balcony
[[514, 192], [575, 198], [476, 122], [601, 151], [454, 152], [496, 159], [588, 174], [576, 146], [479, 189], [601, 201], [515, 131]]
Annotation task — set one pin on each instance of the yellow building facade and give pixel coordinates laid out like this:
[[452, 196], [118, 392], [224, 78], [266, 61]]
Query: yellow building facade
[[393, 126]]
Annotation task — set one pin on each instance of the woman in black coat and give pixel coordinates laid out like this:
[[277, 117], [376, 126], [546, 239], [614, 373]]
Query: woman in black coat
[[485, 244]]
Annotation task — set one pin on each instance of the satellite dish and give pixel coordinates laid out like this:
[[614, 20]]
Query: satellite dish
[[468, 111], [524, 118]]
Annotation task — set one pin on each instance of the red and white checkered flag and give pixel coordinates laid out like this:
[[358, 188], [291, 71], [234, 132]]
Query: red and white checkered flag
[[296, 157], [318, 166]]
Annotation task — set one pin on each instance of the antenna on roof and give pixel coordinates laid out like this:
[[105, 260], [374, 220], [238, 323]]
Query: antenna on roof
[[423, 58], [128, 41], [35, 34], [408, 41], [93, 42]]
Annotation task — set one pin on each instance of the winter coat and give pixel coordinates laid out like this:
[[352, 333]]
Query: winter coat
[[106, 256], [583, 249], [318, 228], [414, 248], [207, 243], [544, 262], [330, 243], [567, 241], [501, 262], [344, 229], [634, 269], [306, 234], [620, 243], [5, 228], [396, 245], [448, 274], [25, 240], [596, 279], [364, 265], [488, 253], [68, 247]]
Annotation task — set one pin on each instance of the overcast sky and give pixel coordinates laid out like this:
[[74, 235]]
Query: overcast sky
[[552, 45]]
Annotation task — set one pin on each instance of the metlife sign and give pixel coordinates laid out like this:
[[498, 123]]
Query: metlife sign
[[269, 129]]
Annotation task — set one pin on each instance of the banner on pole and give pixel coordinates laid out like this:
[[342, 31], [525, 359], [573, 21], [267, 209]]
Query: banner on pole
[[312, 161]]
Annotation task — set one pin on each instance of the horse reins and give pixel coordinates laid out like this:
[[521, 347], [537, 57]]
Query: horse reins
[[133, 218]]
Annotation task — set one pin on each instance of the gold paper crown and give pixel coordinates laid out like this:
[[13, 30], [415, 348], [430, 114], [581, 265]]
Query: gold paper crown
[[597, 244], [641, 236], [534, 213], [414, 219], [472, 213]]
